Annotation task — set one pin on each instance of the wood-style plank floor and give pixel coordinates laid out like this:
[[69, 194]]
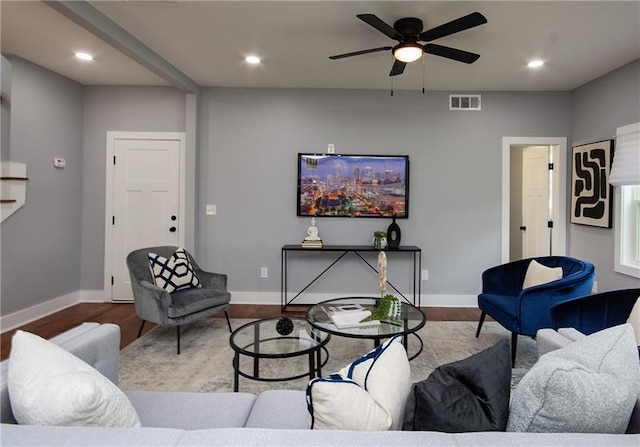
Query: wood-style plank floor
[[124, 315]]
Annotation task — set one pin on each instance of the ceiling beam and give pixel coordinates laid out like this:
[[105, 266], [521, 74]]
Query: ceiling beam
[[88, 17]]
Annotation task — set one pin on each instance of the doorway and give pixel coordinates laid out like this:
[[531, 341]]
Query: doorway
[[144, 200], [533, 197]]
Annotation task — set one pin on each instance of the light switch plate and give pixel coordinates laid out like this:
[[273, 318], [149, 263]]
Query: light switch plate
[[211, 210]]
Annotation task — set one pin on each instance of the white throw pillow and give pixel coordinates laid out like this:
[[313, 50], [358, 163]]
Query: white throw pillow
[[540, 274], [173, 273], [634, 320], [589, 386], [368, 394], [338, 403], [50, 386]]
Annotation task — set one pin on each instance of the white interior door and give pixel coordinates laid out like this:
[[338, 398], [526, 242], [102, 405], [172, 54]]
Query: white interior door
[[536, 209], [146, 202]]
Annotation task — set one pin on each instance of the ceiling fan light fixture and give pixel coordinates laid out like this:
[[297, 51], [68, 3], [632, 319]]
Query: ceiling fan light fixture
[[407, 52]]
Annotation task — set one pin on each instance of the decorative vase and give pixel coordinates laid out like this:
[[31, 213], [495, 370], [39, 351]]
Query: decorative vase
[[393, 234], [379, 243]]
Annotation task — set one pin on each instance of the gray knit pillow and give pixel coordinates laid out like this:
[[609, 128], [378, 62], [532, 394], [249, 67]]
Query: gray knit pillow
[[589, 386]]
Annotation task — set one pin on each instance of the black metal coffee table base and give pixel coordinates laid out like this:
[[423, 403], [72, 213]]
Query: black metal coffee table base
[[260, 340]]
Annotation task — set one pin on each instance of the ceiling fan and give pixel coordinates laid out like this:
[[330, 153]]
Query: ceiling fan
[[408, 32]]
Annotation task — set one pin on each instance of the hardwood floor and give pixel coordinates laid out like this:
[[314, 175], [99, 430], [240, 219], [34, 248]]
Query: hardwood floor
[[125, 316]]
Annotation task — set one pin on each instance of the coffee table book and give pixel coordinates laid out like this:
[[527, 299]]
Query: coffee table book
[[312, 244], [349, 316]]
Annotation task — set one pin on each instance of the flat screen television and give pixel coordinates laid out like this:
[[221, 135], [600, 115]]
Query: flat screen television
[[341, 185]]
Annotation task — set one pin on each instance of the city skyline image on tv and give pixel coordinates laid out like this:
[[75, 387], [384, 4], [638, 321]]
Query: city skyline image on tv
[[341, 185]]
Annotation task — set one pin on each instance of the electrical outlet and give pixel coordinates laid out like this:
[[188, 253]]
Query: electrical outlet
[[331, 149], [264, 272], [425, 275], [211, 210]]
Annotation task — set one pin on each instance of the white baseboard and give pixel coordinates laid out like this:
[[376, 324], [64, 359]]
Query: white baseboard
[[33, 313], [24, 316]]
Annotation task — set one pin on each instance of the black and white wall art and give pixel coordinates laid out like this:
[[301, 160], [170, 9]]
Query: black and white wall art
[[591, 194]]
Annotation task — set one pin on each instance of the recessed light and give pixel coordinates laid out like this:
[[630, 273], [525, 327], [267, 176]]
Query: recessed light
[[535, 63], [252, 60], [84, 56]]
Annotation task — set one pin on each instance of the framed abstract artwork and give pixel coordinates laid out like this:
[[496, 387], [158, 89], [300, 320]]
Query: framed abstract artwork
[[591, 194]]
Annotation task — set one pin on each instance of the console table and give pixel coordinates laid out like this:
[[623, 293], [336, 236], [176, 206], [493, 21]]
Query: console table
[[342, 251]]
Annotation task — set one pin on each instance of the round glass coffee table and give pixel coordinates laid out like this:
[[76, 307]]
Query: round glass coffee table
[[413, 319], [261, 339]]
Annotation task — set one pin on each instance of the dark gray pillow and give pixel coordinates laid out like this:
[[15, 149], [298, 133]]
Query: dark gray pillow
[[464, 396]]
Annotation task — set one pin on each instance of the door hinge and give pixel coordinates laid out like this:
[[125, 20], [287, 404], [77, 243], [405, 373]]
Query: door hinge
[[550, 166], [114, 159], [112, 280], [550, 224], [113, 220]]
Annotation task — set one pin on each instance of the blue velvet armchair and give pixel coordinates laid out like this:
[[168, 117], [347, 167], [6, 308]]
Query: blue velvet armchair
[[592, 313], [524, 311]]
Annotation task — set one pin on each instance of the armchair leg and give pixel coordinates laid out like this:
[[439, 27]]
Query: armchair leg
[[140, 331], [514, 345], [484, 314], [178, 334], [228, 322]]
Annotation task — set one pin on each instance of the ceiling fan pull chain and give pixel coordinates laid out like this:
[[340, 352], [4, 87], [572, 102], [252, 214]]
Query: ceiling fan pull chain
[[424, 63], [391, 78]]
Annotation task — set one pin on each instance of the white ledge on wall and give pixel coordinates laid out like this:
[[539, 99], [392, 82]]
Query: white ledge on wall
[[13, 187]]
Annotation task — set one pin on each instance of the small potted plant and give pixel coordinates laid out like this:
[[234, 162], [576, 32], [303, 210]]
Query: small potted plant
[[379, 239]]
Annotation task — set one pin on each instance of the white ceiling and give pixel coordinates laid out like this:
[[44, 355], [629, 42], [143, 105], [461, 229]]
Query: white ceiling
[[207, 41]]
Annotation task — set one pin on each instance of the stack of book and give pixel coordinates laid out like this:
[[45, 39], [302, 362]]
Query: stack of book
[[349, 316], [312, 244]]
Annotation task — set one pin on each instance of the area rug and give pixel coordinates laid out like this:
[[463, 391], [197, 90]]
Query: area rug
[[205, 362]]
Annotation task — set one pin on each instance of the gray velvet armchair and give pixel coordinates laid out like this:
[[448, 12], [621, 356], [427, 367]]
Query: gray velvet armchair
[[180, 307]]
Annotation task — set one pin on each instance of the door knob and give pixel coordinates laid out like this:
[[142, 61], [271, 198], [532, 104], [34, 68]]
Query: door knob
[[172, 229], [174, 217], [523, 228]]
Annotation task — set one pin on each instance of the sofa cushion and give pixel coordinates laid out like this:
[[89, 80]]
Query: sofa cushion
[[173, 273], [540, 274], [191, 411], [589, 386], [190, 301], [291, 410], [368, 394], [463, 396], [50, 386]]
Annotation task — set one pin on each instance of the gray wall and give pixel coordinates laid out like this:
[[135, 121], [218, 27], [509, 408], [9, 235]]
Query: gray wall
[[598, 108], [250, 138], [143, 109], [41, 241]]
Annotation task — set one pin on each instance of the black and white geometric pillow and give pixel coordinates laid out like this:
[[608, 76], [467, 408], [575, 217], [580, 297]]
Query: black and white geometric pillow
[[173, 273]]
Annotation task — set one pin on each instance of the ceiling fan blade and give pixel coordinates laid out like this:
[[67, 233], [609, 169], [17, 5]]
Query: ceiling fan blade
[[451, 53], [455, 26], [358, 53], [380, 25], [398, 68]]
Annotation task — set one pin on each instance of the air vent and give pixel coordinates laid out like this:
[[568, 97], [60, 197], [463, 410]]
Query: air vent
[[465, 102]]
